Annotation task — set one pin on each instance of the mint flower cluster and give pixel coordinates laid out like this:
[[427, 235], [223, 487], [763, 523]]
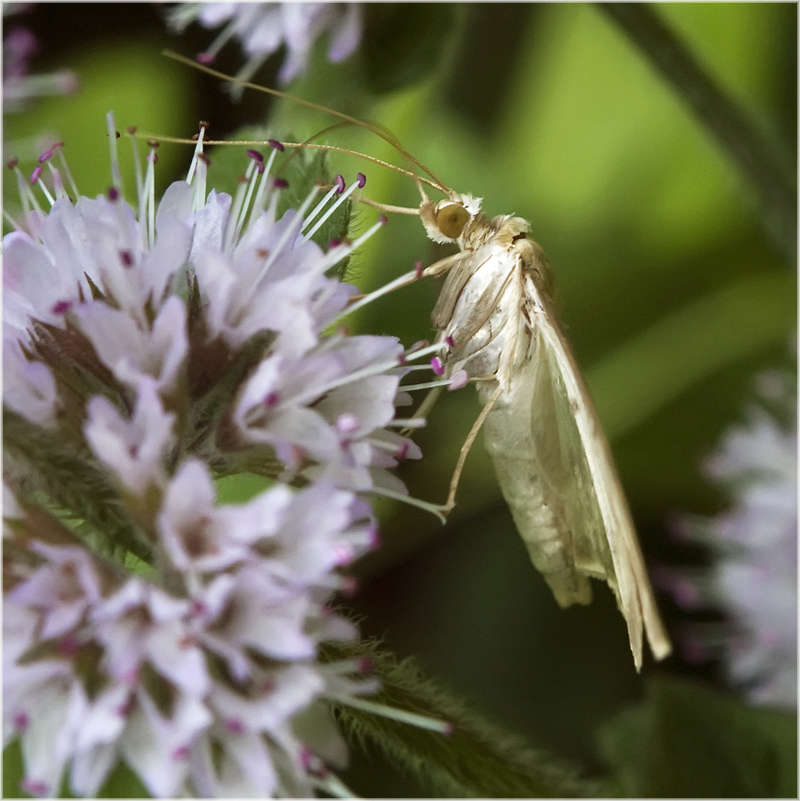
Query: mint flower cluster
[[149, 349]]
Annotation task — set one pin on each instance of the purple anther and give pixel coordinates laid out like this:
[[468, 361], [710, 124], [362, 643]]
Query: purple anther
[[35, 787], [204, 158], [449, 341], [339, 183], [234, 725], [334, 243], [280, 183], [437, 366], [12, 163], [46, 156], [113, 193], [271, 400], [254, 154], [180, 754], [401, 452], [457, 380], [401, 359], [152, 157], [68, 645], [276, 144], [60, 307], [361, 179], [365, 664], [206, 58], [126, 257], [383, 219], [37, 171], [20, 720], [418, 269]]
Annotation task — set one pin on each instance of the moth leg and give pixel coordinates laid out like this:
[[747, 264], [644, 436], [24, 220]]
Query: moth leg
[[465, 448], [441, 266]]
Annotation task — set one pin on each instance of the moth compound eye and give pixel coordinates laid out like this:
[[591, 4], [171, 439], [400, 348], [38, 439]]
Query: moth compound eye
[[451, 217]]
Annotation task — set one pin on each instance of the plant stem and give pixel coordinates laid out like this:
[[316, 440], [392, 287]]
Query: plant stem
[[770, 172]]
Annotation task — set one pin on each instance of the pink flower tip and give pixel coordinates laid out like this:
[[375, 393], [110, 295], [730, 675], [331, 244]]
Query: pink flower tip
[[46, 156], [437, 366], [383, 219], [35, 175], [20, 721], [35, 787], [234, 725]]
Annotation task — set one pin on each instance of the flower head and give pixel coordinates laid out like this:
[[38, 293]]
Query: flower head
[[263, 28], [753, 577], [150, 348]]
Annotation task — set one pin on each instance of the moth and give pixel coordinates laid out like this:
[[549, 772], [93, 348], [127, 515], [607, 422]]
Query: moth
[[496, 321]]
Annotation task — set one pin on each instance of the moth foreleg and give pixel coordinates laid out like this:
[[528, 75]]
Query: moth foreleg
[[465, 448]]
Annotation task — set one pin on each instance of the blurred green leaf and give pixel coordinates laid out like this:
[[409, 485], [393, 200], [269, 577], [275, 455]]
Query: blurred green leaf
[[404, 42], [686, 741]]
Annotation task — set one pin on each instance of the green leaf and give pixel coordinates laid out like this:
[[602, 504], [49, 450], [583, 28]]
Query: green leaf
[[404, 42], [478, 759], [686, 741]]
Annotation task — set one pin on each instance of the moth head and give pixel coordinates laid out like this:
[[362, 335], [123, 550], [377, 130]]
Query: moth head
[[446, 220]]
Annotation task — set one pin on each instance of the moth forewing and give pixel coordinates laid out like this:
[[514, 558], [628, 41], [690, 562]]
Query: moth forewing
[[551, 457]]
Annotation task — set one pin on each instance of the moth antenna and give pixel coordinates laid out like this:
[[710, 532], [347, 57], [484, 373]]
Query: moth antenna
[[309, 104], [179, 140]]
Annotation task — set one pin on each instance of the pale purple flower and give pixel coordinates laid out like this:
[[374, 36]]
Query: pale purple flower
[[263, 28], [171, 632], [753, 577]]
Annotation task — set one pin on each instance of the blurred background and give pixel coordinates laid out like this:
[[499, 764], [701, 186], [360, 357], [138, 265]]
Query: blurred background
[[674, 294]]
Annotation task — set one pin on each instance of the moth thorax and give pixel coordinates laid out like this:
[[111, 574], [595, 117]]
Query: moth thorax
[[451, 218]]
